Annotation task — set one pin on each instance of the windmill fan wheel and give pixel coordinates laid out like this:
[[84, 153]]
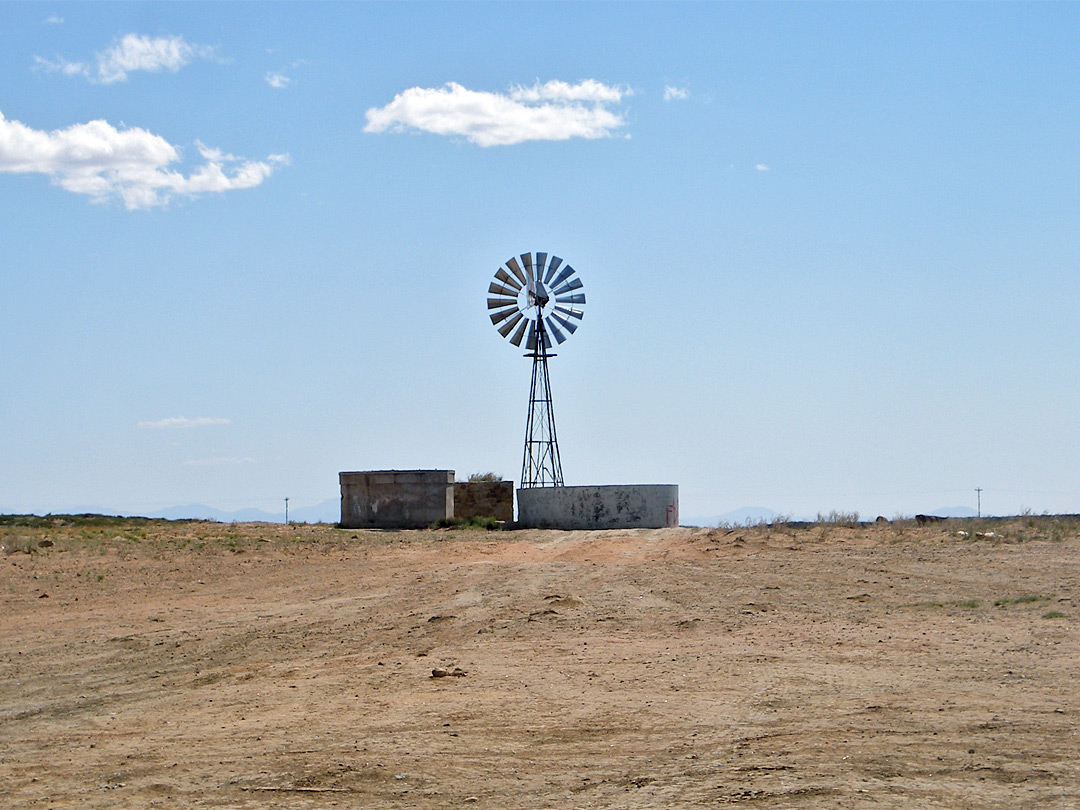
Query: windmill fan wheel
[[536, 297]]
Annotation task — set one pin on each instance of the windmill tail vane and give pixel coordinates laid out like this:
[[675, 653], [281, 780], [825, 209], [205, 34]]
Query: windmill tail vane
[[537, 298]]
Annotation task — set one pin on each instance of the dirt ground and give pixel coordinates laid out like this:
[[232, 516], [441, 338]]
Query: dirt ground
[[199, 665]]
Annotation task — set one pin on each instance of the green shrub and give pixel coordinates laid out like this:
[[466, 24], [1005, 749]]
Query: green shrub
[[476, 522], [834, 518], [484, 478], [1019, 600]]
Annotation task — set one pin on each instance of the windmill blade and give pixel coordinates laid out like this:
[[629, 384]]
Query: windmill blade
[[576, 298], [526, 259], [508, 327], [573, 313], [520, 333], [506, 278], [516, 270], [568, 325], [559, 336], [572, 284], [555, 262], [502, 316], [495, 303], [563, 276], [530, 344], [499, 289], [541, 261]]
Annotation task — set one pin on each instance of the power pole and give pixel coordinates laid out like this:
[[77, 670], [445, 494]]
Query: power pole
[[286, 511], [978, 494]]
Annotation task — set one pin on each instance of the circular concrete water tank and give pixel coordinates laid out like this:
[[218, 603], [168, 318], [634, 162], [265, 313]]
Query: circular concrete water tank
[[618, 506]]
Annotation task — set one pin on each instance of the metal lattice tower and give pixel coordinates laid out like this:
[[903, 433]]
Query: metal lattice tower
[[540, 464], [541, 299]]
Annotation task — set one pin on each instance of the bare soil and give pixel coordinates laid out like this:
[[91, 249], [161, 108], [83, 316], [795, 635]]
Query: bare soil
[[199, 665]]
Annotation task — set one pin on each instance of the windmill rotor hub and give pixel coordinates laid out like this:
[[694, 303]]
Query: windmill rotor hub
[[538, 296]]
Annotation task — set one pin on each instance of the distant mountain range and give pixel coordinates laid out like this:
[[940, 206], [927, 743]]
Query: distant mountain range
[[737, 517], [325, 512]]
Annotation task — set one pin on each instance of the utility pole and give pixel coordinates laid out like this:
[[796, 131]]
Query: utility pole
[[978, 494], [286, 511]]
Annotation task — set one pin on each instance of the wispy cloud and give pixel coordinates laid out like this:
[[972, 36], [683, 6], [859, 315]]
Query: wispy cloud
[[277, 80], [183, 423], [63, 66], [588, 90], [54, 19], [675, 93], [761, 167], [131, 53], [134, 165], [218, 461], [554, 111], [135, 52]]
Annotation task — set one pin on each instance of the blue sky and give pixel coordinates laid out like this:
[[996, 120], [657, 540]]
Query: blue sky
[[829, 250]]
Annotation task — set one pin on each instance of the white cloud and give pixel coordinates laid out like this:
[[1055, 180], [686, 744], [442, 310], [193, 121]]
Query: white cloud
[[277, 80], [63, 66], [132, 53], [588, 90], [132, 164], [761, 167], [218, 461], [54, 19], [182, 423], [135, 52], [554, 111], [675, 93]]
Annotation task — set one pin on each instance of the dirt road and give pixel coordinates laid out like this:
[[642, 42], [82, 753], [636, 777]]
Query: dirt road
[[199, 665]]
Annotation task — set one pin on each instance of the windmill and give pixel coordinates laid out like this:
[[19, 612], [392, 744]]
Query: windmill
[[537, 300]]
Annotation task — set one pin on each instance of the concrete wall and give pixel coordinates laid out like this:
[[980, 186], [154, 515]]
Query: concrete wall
[[396, 499], [632, 506], [484, 499]]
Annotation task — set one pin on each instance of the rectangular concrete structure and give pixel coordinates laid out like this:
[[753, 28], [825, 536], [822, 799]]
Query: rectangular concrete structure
[[484, 499], [396, 499], [629, 506]]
